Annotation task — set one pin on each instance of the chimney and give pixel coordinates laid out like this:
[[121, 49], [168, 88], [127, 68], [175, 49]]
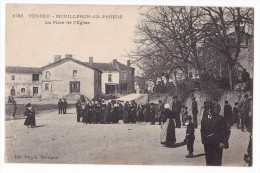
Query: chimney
[[57, 58], [128, 63], [91, 60], [115, 63], [68, 56]]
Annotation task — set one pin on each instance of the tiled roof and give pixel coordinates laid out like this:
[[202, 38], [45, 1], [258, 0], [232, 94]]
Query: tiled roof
[[109, 66], [17, 69], [104, 66], [54, 64]]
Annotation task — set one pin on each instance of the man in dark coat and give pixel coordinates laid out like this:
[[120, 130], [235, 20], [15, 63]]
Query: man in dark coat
[[228, 113], [194, 110], [78, 110], [60, 104], [176, 109], [214, 134], [64, 106], [244, 109]]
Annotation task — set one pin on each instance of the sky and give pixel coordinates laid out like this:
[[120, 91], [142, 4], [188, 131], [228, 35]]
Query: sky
[[32, 41]]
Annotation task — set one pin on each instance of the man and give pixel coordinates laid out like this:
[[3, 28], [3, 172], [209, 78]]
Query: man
[[160, 111], [78, 110], [228, 113], [244, 108], [64, 106], [216, 106], [176, 110], [60, 103], [214, 134], [194, 109], [15, 108]]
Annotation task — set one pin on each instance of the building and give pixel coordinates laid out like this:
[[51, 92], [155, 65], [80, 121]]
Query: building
[[64, 78], [117, 78], [68, 77], [23, 81]]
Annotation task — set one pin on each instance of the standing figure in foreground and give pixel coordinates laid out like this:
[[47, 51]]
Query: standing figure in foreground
[[228, 113], [15, 108], [64, 106], [194, 109], [244, 109], [60, 104], [214, 135], [168, 137], [190, 137], [78, 110], [176, 109], [236, 115], [30, 116]]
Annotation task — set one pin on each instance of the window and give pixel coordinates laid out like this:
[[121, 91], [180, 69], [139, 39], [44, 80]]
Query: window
[[124, 87], [47, 86], [109, 77], [74, 73], [123, 75], [13, 77], [74, 86], [35, 77], [22, 90], [47, 74]]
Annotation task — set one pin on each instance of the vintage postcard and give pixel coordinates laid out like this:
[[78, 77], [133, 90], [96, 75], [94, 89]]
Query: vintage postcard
[[129, 85]]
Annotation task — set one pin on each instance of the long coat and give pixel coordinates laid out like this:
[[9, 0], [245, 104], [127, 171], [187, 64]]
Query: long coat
[[167, 136], [30, 117]]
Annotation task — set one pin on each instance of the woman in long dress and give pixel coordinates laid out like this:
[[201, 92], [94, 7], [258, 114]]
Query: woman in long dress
[[168, 137], [30, 116]]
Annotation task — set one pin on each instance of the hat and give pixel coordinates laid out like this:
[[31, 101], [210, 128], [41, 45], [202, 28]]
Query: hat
[[167, 106], [189, 117], [28, 104]]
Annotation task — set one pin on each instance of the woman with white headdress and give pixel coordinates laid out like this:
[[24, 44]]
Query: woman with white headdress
[[30, 116], [168, 137]]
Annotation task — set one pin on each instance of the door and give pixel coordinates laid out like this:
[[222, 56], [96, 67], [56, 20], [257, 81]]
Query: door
[[35, 91], [74, 86], [12, 92], [110, 89]]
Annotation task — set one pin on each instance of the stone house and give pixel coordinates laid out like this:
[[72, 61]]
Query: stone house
[[23, 81], [117, 78]]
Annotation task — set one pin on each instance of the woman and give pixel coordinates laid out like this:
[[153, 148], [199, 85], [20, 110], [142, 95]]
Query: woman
[[30, 114], [184, 114], [168, 128]]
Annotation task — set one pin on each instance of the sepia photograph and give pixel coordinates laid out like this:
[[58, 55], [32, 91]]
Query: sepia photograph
[[143, 85]]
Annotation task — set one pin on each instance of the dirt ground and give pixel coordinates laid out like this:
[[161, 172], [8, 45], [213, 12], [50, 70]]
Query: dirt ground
[[60, 139]]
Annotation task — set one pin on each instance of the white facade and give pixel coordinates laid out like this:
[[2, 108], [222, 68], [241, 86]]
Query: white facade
[[60, 80], [110, 78], [22, 85]]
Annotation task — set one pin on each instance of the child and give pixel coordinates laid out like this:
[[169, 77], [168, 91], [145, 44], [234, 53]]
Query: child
[[190, 137]]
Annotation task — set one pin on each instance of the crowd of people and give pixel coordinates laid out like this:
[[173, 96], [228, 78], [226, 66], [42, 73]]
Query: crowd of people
[[215, 128]]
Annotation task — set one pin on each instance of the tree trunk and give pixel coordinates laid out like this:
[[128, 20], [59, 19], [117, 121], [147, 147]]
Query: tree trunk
[[230, 75]]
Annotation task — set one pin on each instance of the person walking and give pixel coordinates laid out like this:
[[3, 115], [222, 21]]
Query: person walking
[[194, 110], [30, 116], [60, 104], [176, 109], [214, 135], [167, 136], [64, 106]]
